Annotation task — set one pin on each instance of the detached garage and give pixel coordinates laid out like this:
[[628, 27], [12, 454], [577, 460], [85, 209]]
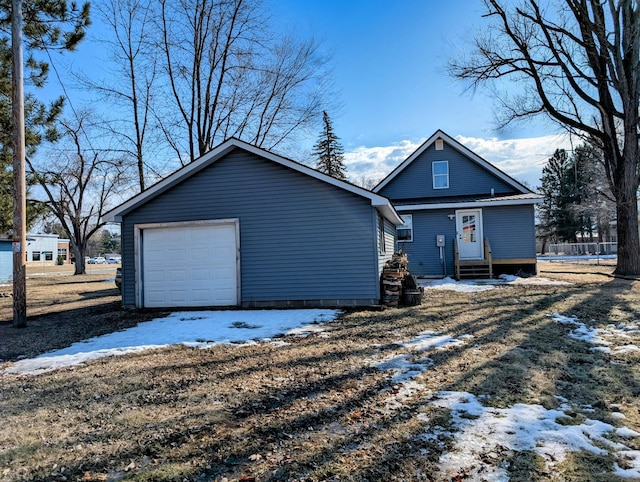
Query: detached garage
[[241, 226]]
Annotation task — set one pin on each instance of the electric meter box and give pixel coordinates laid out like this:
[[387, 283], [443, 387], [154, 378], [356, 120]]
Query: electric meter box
[[440, 240]]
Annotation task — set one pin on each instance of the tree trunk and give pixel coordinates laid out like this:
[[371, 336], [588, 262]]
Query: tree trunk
[[627, 224], [79, 255]]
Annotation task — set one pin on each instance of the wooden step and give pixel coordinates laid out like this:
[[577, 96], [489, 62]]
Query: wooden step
[[474, 269]]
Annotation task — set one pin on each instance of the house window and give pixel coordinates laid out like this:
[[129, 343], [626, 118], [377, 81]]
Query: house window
[[48, 255], [35, 256], [62, 252], [440, 174], [382, 245], [405, 232]]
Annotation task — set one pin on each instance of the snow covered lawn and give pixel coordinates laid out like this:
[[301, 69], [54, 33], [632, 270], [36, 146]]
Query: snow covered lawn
[[192, 328]]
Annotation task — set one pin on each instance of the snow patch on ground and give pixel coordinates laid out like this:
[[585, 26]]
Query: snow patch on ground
[[472, 286], [452, 285], [191, 328], [606, 340], [405, 368], [483, 434], [481, 430]]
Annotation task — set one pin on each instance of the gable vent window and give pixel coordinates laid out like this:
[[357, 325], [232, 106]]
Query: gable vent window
[[440, 174], [439, 144]]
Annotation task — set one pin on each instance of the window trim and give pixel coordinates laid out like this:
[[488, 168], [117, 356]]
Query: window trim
[[408, 222], [434, 175], [382, 239]]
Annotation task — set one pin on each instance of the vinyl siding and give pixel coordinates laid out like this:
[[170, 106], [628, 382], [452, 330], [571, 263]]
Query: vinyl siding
[[300, 238], [422, 252], [390, 242], [465, 177], [6, 261], [510, 229]]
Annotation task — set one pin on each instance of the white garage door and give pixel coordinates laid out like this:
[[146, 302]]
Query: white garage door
[[189, 266]]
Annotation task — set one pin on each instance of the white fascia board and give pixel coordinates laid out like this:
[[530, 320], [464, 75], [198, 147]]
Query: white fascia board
[[389, 212], [467, 205]]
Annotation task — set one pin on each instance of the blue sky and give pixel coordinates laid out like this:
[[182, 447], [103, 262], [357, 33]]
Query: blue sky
[[388, 62], [389, 67]]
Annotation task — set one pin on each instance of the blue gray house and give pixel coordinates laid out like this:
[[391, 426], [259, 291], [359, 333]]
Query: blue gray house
[[462, 216], [6, 260], [241, 226]]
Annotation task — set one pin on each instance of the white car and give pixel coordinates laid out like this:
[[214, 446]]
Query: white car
[[98, 260]]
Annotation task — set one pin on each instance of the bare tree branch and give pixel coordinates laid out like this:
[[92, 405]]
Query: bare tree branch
[[578, 63]]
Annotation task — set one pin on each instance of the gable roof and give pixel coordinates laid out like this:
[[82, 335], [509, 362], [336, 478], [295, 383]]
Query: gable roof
[[439, 134], [381, 203]]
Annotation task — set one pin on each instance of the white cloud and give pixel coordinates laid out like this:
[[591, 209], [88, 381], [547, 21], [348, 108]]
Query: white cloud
[[376, 162], [522, 159]]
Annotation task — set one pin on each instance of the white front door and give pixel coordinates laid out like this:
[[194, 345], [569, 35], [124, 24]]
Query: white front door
[[469, 233]]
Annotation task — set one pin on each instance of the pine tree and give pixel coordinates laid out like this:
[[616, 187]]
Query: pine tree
[[47, 26], [577, 199], [558, 221], [329, 152]]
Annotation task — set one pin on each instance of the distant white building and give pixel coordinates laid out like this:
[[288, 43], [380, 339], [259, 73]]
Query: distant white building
[[45, 248], [6, 260]]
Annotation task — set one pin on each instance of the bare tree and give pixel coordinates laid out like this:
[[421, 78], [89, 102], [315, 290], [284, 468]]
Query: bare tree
[[366, 182], [578, 65], [227, 77], [78, 183], [131, 92]]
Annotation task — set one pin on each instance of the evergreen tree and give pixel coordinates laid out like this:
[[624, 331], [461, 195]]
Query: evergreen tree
[[561, 190], [597, 207], [577, 199], [48, 25], [108, 244], [329, 152]]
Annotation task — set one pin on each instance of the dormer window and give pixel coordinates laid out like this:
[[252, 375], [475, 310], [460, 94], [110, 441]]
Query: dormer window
[[440, 171]]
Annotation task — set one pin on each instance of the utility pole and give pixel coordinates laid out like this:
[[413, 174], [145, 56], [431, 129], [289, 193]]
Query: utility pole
[[19, 182]]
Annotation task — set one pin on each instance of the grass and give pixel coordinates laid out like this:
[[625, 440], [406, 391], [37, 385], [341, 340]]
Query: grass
[[316, 408]]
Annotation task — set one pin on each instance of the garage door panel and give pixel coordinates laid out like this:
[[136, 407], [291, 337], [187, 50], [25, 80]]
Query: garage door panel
[[155, 276], [199, 253], [156, 296], [200, 274], [177, 274], [155, 256], [201, 295], [225, 274], [175, 254], [178, 296], [225, 251], [190, 266]]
